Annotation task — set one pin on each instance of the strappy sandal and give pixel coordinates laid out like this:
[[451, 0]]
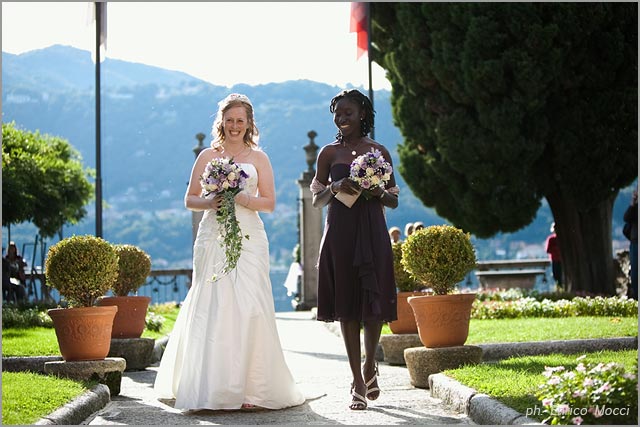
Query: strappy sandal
[[373, 379], [359, 403]]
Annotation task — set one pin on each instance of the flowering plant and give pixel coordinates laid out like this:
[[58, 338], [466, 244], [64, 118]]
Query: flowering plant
[[223, 176], [370, 170], [590, 394], [531, 307]]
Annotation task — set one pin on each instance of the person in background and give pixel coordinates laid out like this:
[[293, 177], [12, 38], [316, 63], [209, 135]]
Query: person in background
[[356, 283], [15, 289], [395, 234], [6, 281], [631, 216], [552, 246], [418, 225], [408, 229]]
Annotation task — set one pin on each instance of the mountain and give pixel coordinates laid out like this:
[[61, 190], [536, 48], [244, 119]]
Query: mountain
[[44, 69], [150, 117]]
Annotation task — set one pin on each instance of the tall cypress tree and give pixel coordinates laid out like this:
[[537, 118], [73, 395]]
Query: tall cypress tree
[[502, 104]]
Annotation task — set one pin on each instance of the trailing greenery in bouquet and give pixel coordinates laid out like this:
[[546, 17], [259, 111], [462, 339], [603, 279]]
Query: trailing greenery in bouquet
[[223, 176]]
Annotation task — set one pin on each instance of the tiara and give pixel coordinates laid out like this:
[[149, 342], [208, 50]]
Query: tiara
[[235, 97]]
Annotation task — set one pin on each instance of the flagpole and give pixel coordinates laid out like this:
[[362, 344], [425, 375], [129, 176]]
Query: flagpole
[[369, 59], [98, 124]]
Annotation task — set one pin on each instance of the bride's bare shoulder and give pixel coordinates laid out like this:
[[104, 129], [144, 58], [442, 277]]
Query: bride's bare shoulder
[[260, 158], [209, 153]]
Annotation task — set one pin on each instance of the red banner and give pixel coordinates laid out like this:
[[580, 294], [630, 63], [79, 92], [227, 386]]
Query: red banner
[[359, 25]]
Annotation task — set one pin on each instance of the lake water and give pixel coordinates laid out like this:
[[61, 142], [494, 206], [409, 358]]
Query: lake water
[[170, 288], [163, 289]]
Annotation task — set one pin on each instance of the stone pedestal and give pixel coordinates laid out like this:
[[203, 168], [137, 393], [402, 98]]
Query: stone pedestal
[[310, 222], [425, 361], [394, 345], [107, 371], [137, 352], [158, 349]]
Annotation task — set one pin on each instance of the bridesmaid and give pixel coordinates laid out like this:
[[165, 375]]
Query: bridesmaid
[[356, 284]]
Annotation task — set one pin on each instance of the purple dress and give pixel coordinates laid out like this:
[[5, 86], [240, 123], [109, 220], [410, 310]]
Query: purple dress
[[355, 267]]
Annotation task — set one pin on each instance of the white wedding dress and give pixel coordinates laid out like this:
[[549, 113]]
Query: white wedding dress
[[224, 349]]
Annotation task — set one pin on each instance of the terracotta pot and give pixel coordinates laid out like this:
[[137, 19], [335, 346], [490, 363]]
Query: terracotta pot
[[443, 320], [84, 333], [406, 322], [130, 318]]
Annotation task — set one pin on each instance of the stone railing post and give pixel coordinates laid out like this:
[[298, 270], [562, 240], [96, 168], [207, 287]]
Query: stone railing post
[[310, 230]]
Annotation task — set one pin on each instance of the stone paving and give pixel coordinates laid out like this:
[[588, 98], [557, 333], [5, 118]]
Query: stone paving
[[318, 362]]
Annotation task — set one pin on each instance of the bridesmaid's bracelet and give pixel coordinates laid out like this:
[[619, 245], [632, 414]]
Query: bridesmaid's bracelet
[[381, 196], [331, 189]]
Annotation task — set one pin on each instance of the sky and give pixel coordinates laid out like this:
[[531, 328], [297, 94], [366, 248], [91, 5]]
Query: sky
[[222, 43]]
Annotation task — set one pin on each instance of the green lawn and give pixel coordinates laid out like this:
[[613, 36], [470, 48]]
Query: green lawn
[[514, 381], [39, 341], [170, 319], [545, 329], [27, 397]]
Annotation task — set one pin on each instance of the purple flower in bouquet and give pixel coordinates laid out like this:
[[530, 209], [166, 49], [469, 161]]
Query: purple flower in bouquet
[[370, 170], [223, 176]]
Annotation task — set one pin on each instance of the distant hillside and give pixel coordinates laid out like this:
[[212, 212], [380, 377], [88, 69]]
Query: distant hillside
[[44, 70], [150, 117]]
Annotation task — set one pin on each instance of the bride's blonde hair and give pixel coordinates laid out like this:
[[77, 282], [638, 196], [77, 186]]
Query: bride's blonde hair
[[251, 137]]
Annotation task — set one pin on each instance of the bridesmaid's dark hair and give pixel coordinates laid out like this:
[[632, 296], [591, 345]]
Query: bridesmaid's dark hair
[[365, 103]]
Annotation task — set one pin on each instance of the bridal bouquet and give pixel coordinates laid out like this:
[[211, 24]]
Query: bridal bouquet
[[369, 170], [223, 176]]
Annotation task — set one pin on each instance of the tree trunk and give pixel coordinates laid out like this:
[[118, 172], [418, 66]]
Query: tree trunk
[[585, 245]]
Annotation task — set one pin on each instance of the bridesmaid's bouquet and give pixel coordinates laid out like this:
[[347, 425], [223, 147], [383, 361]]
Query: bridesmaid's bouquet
[[223, 176], [369, 170]]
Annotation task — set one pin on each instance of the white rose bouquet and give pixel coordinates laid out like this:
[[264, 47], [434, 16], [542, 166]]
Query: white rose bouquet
[[369, 170]]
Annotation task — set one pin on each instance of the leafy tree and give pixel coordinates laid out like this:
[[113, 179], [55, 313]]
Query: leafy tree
[[43, 180], [502, 104]]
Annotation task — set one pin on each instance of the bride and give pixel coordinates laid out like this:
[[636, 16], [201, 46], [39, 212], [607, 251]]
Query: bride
[[224, 351]]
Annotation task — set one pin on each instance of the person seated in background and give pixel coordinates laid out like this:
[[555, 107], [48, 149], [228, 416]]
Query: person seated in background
[[418, 225], [408, 229], [16, 290], [394, 234], [6, 281]]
